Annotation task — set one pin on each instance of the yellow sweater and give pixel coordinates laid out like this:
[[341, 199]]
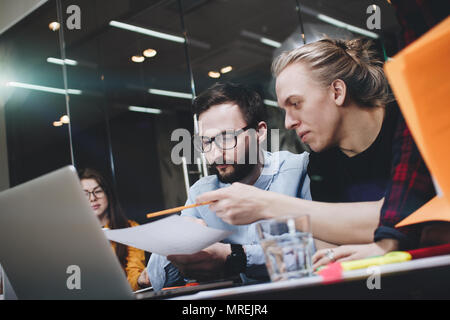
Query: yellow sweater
[[135, 262]]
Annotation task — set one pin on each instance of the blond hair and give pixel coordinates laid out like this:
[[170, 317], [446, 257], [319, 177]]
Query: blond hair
[[352, 61]]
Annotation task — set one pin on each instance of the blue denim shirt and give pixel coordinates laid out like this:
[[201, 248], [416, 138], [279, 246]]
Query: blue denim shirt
[[283, 172]]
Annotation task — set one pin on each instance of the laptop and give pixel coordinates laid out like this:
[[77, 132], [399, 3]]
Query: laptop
[[52, 245]]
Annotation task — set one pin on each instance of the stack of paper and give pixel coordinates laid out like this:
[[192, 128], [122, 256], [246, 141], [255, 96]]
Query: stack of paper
[[168, 236], [420, 78]]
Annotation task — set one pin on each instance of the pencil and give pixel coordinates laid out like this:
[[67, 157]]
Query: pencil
[[173, 210]]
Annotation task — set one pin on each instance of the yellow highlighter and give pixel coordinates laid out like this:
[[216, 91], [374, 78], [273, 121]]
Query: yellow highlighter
[[391, 257]]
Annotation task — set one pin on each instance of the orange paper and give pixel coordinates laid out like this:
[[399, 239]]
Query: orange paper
[[437, 209], [420, 78]]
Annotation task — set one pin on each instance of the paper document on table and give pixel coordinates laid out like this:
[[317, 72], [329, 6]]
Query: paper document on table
[[168, 236]]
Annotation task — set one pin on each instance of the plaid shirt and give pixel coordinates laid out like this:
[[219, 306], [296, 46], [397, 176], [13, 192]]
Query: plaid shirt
[[409, 188], [411, 185], [418, 16]]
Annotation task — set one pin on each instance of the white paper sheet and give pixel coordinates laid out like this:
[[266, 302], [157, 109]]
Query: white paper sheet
[[168, 236]]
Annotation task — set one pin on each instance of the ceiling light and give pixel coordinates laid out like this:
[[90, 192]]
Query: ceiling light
[[54, 26], [137, 59], [226, 69], [260, 38], [214, 74], [149, 53], [147, 32], [69, 62], [270, 42], [145, 110], [347, 26], [57, 123], [270, 103], [64, 119], [42, 88], [167, 93]]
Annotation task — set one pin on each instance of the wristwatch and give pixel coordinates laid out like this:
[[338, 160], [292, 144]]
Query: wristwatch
[[237, 261]]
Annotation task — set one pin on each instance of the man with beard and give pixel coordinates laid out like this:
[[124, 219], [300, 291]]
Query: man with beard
[[231, 132]]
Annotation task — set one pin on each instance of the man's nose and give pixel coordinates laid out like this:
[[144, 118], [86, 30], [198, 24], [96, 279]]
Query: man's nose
[[290, 122], [215, 155]]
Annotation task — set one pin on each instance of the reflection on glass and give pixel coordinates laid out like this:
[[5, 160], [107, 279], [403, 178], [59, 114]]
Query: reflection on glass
[[150, 53], [147, 32], [145, 109], [42, 88], [137, 59], [54, 26], [226, 69], [66, 61], [214, 74], [138, 94]]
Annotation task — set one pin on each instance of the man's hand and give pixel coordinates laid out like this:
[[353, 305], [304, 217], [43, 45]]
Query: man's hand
[[354, 252], [196, 220], [239, 204], [143, 280], [207, 264]]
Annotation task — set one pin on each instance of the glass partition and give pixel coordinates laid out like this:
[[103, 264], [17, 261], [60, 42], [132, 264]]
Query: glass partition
[[131, 76], [34, 97], [131, 67], [242, 39]]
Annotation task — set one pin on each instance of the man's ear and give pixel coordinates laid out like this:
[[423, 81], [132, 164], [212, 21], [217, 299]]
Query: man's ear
[[261, 131], [338, 91]]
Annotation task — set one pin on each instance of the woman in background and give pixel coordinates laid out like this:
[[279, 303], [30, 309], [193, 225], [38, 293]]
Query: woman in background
[[104, 202]]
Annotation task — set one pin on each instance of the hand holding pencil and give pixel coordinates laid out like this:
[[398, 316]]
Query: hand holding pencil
[[177, 209]]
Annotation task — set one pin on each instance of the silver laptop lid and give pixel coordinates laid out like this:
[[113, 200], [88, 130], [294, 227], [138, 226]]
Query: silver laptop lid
[[52, 245]]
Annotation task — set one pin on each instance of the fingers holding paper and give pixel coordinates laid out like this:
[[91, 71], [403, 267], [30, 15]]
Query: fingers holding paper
[[196, 220], [206, 264]]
